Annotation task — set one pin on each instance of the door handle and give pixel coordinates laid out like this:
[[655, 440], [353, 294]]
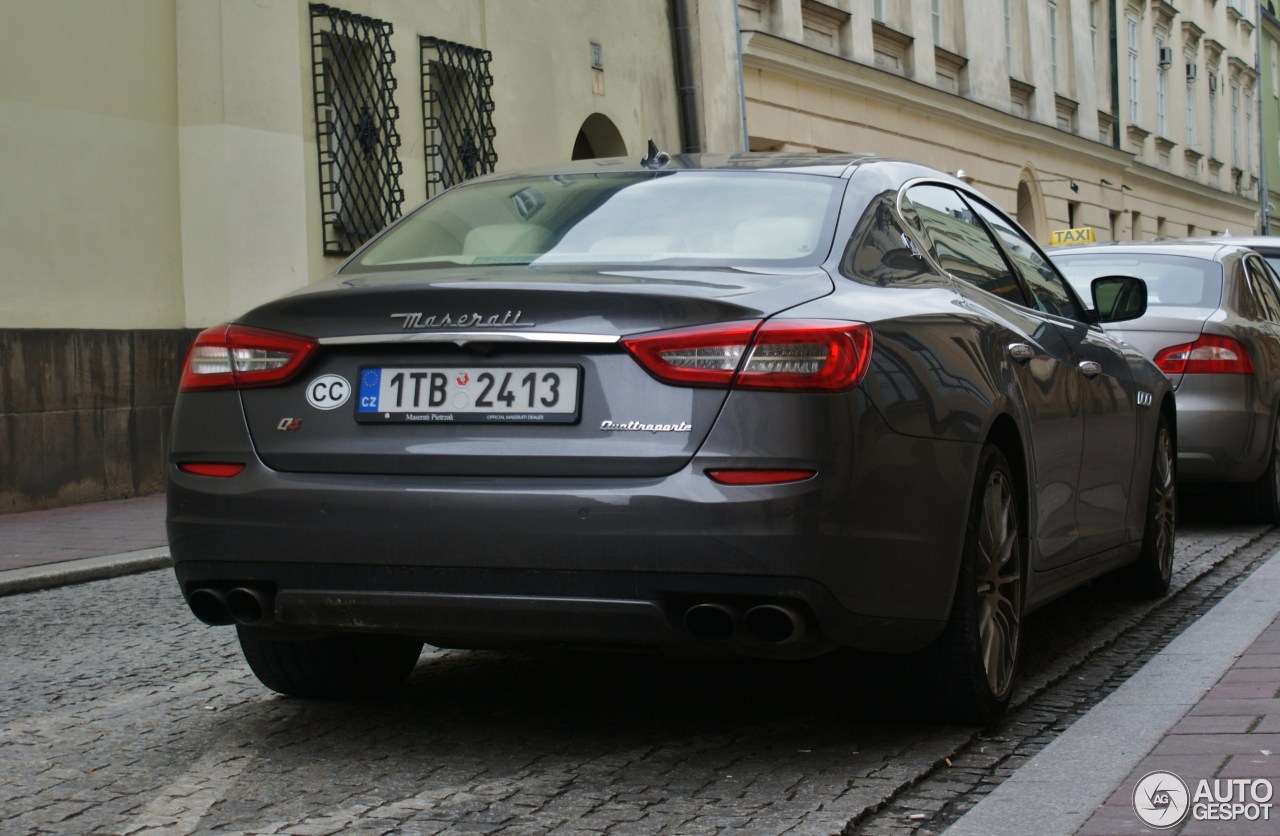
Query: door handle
[[1089, 368], [1021, 352]]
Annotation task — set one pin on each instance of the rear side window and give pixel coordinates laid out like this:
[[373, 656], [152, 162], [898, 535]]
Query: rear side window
[[1050, 292], [1173, 281], [882, 253], [961, 242], [1262, 283]]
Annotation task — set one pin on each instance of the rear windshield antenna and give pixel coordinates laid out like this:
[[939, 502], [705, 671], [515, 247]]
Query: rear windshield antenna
[[655, 158]]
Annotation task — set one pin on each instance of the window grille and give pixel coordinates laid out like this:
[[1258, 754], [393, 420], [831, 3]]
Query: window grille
[[355, 126], [457, 113]]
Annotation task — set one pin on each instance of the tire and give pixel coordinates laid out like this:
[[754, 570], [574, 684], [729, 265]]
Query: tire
[[1266, 491], [972, 666], [337, 667], [1148, 576]]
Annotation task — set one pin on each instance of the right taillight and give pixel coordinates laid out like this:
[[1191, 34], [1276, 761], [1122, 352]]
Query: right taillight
[[790, 355], [1207, 355], [239, 357]]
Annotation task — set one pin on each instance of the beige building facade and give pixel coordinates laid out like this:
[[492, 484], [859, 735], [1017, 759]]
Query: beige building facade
[[1131, 117], [166, 165]]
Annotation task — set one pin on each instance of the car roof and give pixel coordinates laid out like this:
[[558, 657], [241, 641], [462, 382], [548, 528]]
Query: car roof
[[1258, 242], [1215, 249], [826, 164]]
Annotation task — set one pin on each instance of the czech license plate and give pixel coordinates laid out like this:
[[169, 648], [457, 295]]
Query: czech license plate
[[469, 394]]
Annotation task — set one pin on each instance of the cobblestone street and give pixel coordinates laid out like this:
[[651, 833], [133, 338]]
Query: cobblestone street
[[122, 714]]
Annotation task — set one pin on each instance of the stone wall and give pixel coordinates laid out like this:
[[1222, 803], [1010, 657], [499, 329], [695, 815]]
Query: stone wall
[[85, 414]]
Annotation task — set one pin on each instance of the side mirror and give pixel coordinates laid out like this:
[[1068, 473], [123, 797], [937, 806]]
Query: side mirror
[[1119, 298]]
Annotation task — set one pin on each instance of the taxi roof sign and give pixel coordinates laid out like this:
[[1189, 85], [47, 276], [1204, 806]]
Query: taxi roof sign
[[1081, 235]]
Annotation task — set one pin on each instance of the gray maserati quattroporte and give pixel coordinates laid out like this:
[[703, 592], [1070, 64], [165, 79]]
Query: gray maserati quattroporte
[[770, 405]]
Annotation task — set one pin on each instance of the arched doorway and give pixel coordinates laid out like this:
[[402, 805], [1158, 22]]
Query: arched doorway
[[1030, 212], [598, 137]]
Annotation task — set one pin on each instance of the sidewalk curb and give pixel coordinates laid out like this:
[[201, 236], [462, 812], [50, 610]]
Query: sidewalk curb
[[65, 573], [1059, 789]]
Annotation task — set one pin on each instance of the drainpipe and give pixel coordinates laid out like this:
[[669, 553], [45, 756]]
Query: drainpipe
[[1264, 198], [1115, 78], [690, 134], [742, 78]]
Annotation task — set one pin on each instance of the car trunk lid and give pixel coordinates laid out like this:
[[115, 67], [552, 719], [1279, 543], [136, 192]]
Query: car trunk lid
[[405, 360]]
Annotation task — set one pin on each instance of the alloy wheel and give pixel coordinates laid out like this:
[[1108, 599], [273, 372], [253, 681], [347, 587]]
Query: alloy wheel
[[1164, 501], [999, 574]]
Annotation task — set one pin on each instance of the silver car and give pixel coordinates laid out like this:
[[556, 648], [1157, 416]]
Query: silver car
[[1213, 326], [759, 405]]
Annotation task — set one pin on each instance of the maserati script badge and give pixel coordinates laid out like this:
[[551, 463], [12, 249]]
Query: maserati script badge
[[510, 319]]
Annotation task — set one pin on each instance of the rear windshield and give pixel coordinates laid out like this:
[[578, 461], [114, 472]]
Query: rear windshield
[[1172, 280], [694, 217]]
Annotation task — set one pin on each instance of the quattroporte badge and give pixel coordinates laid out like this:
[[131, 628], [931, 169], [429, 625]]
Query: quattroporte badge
[[642, 427]]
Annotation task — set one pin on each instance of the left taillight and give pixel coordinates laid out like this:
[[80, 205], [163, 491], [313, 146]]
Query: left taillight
[[790, 355], [240, 357]]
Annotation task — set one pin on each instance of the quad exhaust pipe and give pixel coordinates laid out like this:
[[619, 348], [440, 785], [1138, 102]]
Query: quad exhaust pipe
[[767, 623], [210, 606], [711, 622], [774, 624], [242, 605]]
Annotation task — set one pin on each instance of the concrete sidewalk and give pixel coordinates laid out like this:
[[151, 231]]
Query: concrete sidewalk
[[42, 549], [1206, 707]]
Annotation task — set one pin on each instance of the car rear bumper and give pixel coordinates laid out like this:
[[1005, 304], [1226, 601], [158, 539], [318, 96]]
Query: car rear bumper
[[1224, 429], [856, 559]]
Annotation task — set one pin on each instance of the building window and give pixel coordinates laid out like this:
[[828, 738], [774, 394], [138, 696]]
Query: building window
[[457, 113], [1135, 103], [1162, 95], [877, 11], [1093, 31], [355, 126], [1008, 35], [1248, 131], [1191, 115], [1053, 42], [1275, 69], [1213, 115], [1235, 126], [937, 22]]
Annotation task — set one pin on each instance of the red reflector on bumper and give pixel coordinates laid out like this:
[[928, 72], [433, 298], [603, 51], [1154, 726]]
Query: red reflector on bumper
[[760, 477], [219, 469]]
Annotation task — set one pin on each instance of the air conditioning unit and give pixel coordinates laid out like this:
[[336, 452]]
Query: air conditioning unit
[[1213, 82], [1165, 59], [1192, 71]]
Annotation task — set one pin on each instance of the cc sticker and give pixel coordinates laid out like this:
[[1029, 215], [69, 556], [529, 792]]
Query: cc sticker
[[328, 392]]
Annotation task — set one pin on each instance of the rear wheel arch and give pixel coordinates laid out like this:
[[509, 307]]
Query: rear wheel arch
[[1004, 433], [1170, 412]]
